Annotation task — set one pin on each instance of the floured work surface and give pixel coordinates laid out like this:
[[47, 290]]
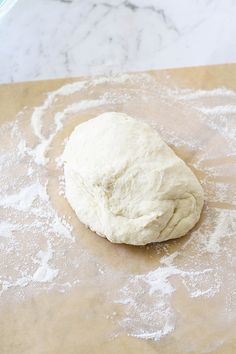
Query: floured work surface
[[66, 290]]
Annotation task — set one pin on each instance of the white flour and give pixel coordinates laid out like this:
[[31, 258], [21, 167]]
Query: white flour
[[44, 273], [37, 242]]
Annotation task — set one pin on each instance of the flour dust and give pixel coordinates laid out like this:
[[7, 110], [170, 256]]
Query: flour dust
[[40, 249]]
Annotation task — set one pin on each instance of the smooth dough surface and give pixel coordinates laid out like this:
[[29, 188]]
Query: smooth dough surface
[[126, 184]]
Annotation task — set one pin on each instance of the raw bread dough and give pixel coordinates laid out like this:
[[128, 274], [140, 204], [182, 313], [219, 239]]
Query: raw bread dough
[[125, 183]]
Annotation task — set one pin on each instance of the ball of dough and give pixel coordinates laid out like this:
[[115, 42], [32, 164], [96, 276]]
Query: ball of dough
[[126, 184]]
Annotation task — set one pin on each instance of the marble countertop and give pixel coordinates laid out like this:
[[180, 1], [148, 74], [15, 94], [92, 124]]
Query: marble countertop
[[47, 39]]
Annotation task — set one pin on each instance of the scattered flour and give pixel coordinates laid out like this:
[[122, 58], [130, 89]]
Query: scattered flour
[[39, 248], [44, 273], [7, 229], [189, 95], [218, 110], [24, 198]]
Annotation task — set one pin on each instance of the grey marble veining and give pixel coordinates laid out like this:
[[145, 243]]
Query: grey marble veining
[[59, 38]]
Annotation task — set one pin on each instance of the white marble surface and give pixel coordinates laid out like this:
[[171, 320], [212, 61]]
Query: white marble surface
[[43, 39]]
